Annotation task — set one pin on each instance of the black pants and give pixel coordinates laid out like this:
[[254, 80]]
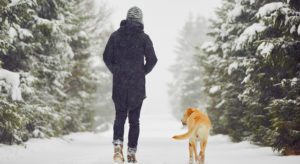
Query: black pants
[[133, 113]]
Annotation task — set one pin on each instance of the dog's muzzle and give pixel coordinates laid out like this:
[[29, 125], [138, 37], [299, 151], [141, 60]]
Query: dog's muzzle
[[183, 123]]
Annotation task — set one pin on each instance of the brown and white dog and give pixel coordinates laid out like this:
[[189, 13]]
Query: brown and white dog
[[198, 130]]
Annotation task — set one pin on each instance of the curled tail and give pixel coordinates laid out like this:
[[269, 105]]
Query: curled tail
[[187, 134]]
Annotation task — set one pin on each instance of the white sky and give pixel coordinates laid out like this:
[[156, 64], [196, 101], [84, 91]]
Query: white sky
[[163, 19]]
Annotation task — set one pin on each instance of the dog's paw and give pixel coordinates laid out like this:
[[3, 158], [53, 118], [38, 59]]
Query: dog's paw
[[118, 161], [200, 162]]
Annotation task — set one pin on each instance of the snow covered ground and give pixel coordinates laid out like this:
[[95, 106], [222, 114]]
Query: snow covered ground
[[156, 147]]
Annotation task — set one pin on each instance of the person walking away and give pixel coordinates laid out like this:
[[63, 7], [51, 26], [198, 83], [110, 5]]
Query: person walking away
[[129, 55]]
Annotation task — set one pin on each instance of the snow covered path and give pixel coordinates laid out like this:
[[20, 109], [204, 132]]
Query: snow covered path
[[156, 147]]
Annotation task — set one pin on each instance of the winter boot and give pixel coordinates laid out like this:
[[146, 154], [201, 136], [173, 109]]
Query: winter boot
[[131, 156], [118, 155]]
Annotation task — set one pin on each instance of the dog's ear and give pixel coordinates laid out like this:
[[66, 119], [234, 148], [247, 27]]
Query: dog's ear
[[189, 111]]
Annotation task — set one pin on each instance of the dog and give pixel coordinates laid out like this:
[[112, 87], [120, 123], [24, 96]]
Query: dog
[[198, 130]]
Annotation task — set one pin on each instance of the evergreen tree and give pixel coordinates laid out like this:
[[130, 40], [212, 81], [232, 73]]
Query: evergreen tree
[[47, 45], [277, 73], [88, 40], [101, 30], [221, 76], [186, 89], [255, 59]]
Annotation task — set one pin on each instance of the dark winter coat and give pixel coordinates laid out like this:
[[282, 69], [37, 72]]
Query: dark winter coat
[[125, 55]]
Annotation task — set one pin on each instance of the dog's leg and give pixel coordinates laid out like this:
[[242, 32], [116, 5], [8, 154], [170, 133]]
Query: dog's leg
[[202, 152], [191, 152], [194, 149]]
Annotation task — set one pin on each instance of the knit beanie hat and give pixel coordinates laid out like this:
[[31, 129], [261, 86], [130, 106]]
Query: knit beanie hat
[[135, 14]]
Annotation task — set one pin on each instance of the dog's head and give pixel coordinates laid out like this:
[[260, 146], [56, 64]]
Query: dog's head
[[187, 114]]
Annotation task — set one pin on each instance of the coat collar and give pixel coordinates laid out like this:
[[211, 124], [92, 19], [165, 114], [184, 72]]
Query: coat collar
[[131, 26]]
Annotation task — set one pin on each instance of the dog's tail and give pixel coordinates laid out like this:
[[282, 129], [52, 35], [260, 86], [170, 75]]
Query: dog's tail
[[187, 134]]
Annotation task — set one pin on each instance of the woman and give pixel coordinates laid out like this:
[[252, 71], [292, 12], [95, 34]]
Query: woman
[[124, 55]]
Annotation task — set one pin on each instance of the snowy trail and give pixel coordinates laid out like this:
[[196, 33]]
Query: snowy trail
[[156, 146]]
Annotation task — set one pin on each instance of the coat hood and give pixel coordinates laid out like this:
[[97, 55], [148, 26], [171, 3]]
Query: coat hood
[[129, 26]]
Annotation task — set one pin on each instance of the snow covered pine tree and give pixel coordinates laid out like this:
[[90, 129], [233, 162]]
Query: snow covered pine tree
[[43, 43], [186, 89], [257, 43]]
